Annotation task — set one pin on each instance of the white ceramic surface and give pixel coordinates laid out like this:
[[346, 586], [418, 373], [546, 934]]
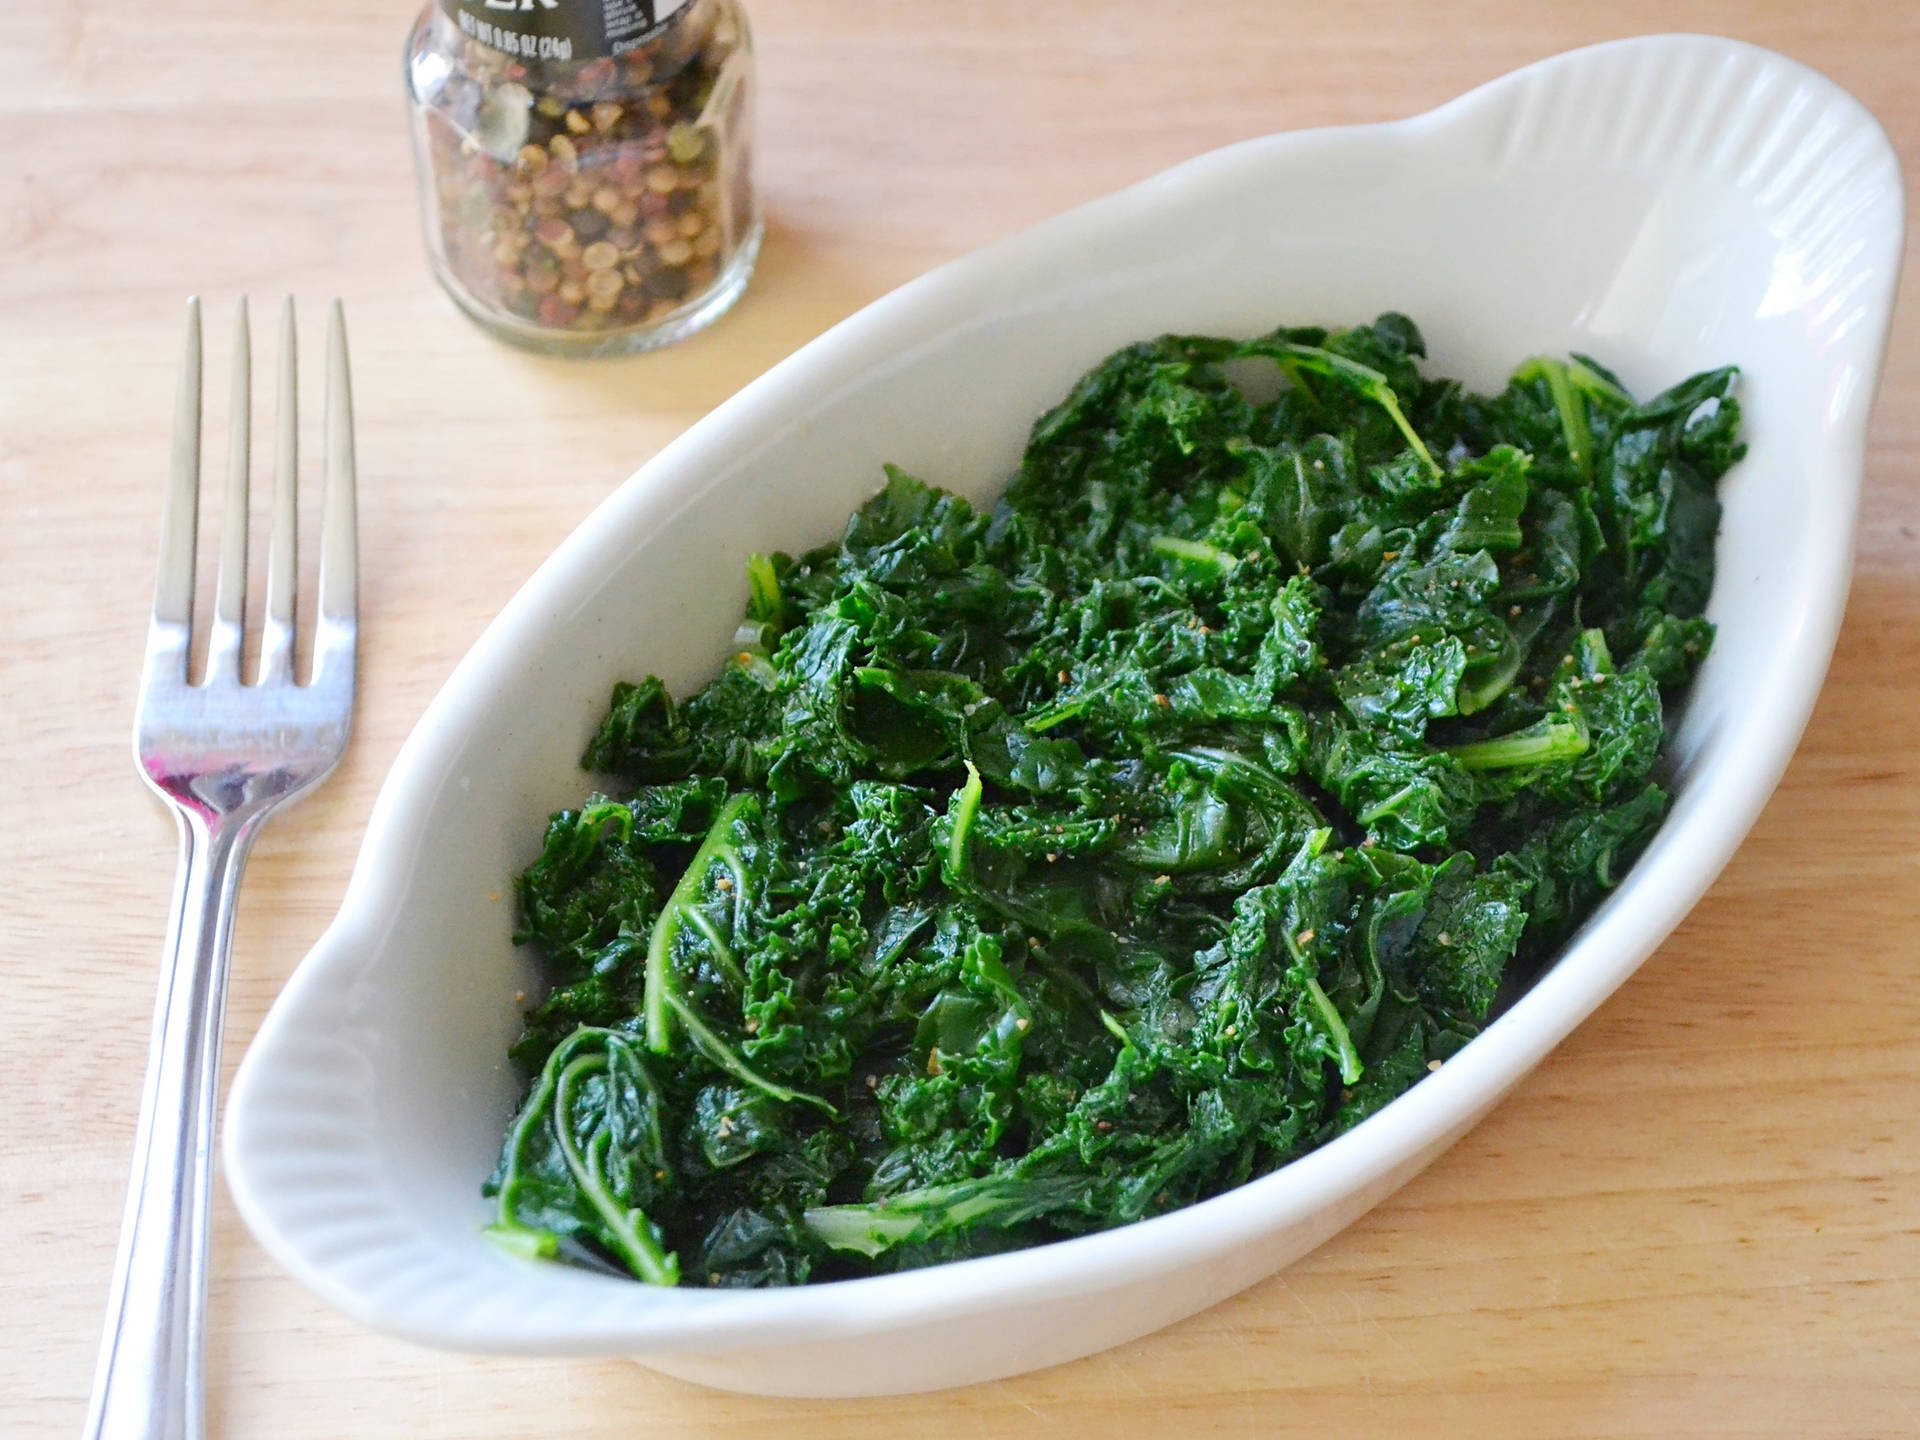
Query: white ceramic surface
[[1664, 204]]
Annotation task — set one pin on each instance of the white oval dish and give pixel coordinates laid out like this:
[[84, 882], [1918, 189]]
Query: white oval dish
[[1664, 204]]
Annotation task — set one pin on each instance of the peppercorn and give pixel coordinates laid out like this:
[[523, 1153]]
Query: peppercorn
[[603, 288], [593, 194]]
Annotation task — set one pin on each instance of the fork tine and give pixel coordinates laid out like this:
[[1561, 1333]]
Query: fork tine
[[173, 591], [230, 596], [283, 555], [339, 563]]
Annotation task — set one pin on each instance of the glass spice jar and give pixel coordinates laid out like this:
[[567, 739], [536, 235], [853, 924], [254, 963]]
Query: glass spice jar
[[585, 166]]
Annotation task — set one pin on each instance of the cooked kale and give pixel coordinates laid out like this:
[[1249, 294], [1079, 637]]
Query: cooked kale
[[1029, 872]]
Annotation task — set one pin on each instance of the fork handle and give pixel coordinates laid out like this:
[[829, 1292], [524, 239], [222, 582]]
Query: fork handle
[[149, 1382]]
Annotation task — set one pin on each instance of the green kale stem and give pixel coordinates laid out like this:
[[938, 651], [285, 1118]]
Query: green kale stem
[[628, 1230], [1572, 411], [1041, 722], [682, 909], [1392, 803], [1556, 737], [663, 999], [966, 807], [1324, 1010], [709, 1044], [1196, 551], [1362, 379], [1570, 383], [1329, 1016], [523, 1240], [765, 602], [629, 1234], [935, 1210], [609, 814]]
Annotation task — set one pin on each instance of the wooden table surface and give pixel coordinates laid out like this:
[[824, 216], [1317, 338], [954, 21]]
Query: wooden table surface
[[1700, 1217]]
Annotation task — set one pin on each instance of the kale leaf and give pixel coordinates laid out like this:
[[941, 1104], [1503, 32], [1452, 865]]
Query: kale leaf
[[1026, 872]]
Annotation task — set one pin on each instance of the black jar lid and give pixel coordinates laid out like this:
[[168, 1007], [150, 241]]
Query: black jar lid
[[564, 30]]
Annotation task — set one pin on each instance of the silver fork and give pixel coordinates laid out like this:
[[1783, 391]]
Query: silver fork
[[223, 755]]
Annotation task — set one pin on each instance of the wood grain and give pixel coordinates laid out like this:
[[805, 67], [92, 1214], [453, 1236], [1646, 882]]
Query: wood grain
[[1701, 1217]]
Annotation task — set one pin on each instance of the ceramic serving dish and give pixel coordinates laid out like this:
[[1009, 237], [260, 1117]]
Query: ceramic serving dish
[[1664, 204]]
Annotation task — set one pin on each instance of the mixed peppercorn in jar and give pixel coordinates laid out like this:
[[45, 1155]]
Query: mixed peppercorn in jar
[[581, 202]]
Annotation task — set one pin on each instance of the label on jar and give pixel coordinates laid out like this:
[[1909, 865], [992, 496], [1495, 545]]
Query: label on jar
[[563, 30]]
